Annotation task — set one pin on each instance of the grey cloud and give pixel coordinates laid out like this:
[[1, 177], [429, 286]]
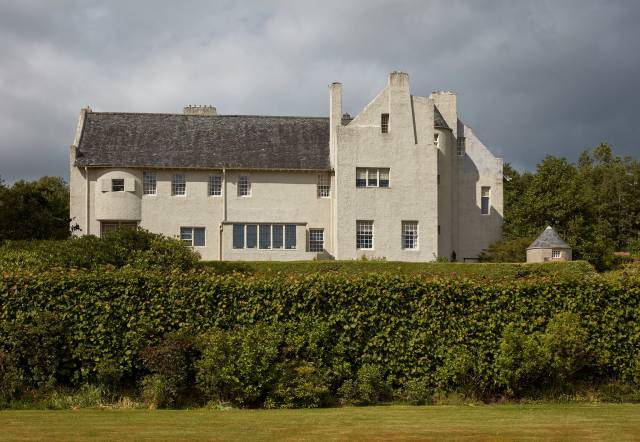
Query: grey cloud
[[533, 78]]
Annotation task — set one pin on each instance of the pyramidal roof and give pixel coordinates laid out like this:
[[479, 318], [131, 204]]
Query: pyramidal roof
[[549, 239]]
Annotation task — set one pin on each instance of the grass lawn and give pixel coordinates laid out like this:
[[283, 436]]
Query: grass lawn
[[496, 422]]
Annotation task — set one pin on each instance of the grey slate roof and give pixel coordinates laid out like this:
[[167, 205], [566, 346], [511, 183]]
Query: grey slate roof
[[549, 239], [118, 139], [198, 141], [438, 119]]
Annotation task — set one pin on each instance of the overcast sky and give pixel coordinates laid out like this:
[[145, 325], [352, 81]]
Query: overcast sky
[[533, 77]]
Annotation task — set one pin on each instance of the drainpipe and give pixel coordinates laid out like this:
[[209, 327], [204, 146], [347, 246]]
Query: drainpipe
[[224, 210], [88, 199]]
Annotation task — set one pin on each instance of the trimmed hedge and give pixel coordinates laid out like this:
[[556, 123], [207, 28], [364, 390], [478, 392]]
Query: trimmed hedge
[[409, 325]]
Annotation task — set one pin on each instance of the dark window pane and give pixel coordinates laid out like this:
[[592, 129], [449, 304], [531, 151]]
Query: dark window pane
[[277, 236], [252, 236], [361, 182], [238, 236], [384, 183], [290, 236], [485, 205], [198, 236], [373, 181], [265, 236]]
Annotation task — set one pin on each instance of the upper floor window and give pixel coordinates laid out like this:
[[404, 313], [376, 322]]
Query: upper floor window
[[316, 240], [436, 140], [193, 236], [179, 184], [410, 234], [117, 185], [461, 149], [384, 123], [485, 199], [324, 186], [244, 186], [364, 234], [149, 183], [215, 185], [372, 177]]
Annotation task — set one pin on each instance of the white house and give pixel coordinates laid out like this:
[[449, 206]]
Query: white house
[[403, 180]]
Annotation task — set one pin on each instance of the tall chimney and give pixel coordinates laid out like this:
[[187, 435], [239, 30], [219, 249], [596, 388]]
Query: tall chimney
[[200, 110], [335, 117]]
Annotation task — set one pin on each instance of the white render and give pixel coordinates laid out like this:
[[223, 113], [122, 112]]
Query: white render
[[430, 185]]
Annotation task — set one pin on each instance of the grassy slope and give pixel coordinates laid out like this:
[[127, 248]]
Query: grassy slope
[[498, 422], [444, 269]]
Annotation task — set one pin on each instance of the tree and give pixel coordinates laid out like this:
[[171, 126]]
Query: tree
[[34, 210]]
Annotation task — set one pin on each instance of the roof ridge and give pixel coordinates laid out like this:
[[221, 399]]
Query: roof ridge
[[213, 116]]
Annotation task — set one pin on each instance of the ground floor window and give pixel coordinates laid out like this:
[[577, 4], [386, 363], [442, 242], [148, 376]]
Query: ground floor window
[[264, 236], [193, 236], [410, 234], [316, 240], [555, 254], [112, 226], [364, 234]]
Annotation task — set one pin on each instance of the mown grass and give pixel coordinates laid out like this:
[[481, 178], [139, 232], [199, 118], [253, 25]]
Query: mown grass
[[574, 269], [496, 422]]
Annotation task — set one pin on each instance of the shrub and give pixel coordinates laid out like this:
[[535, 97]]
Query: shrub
[[158, 391], [564, 344], [10, 379], [465, 372], [369, 387], [239, 366], [300, 385], [507, 250], [417, 392]]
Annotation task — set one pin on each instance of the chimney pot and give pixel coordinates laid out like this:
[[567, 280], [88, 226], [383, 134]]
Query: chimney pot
[[200, 109]]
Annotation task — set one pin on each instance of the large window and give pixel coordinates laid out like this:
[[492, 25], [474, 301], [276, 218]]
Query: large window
[[149, 183], [372, 177], [316, 240], [244, 186], [485, 199], [264, 236], [364, 234], [461, 150], [410, 234], [384, 123], [178, 184], [215, 185], [117, 185], [112, 226], [324, 186], [193, 236]]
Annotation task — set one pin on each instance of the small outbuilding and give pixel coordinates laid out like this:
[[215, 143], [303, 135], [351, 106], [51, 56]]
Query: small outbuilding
[[548, 247]]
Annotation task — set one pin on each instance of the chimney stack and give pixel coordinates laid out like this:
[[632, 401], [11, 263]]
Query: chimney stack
[[200, 110], [335, 117]]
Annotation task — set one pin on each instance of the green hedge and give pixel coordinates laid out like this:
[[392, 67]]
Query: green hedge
[[410, 325]]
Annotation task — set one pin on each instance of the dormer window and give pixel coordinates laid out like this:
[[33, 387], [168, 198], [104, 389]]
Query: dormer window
[[384, 123]]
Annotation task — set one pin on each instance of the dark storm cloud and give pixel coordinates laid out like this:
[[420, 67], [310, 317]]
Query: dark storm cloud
[[533, 78]]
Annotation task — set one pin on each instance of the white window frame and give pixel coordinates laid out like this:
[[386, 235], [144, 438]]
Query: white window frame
[[324, 186], [179, 184], [285, 241], [411, 235], [244, 186], [214, 185], [482, 198], [117, 187], [364, 234], [371, 173], [149, 183], [316, 240], [461, 146], [556, 254], [192, 235]]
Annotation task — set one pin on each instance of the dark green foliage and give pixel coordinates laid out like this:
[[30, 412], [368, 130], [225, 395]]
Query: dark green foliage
[[34, 210], [134, 247], [417, 392], [507, 250], [11, 379], [300, 385]]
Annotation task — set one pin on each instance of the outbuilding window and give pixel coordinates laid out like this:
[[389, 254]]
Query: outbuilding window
[[555, 254]]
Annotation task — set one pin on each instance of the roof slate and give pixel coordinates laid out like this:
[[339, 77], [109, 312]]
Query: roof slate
[[196, 141], [549, 239]]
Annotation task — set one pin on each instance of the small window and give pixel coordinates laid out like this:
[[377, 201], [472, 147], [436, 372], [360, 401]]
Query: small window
[[290, 236], [555, 254], [238, 236], [364, 234], [461, 150], [117, 185], [244, 186], [361, 177], [436, 140], [485, 200], [178, 184], [316, 240], [265, 236], [149, 183], [324, 186], [193, 236], [215, 185], [410, 234], [277, 236], [252, 236], [384, 123], [384, 177]]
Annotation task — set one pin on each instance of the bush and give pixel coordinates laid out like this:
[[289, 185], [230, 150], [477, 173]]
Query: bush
[[369, 387], [300, 385], [507, 250], [158, 391], [417, 392], [463, 371], [239, 366], [10, 379]]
